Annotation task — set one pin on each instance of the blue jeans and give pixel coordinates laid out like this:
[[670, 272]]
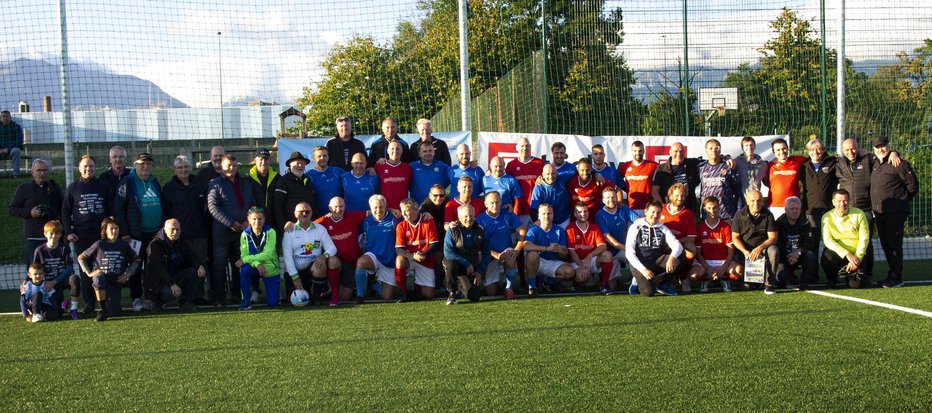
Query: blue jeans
[[247, 274]]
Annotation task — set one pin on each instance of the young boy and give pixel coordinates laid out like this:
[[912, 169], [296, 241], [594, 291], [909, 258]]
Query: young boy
[[258, 259], [55, 257], [34, 299], [114, 262]]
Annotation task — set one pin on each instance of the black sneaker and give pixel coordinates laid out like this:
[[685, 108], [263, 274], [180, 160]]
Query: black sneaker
[[89, 311], [893, 283], [101, 316], [188, 307], [360, 299]]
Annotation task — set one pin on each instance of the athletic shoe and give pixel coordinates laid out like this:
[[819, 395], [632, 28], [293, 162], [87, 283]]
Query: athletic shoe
[[245, 307], [451, 299], [188, 307], [101, 316], [605, 291], [74, 314], [509, 294], [704, 287], [335, 300], [666, 290], [531, 292], [770, 290], [137, 305], [893, 283], [403, 299], [725, 286], [148, 305], [360, 299], [89, 310], [36, 318], [633, 288], [684, 286], [254, 297]]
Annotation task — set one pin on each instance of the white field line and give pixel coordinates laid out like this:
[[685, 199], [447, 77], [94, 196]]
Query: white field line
[[875, 303]]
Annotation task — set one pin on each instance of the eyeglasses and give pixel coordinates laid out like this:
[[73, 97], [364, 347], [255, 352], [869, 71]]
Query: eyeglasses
[[303, 211], [437, 195], [256, 209]]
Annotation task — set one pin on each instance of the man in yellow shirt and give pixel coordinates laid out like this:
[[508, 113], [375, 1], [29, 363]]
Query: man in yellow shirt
[[845, 234]]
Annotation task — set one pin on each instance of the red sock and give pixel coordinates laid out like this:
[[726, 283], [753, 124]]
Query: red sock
[[401, 279], [333, 278], [606, 272]]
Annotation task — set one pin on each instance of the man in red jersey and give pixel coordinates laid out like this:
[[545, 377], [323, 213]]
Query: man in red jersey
[[637, 176], [464, 185], [417, 246], [714, 250], [783, 178], [343, 227], [588, 250], [394, 175], [682, 223], [585, 188], [526, 169]]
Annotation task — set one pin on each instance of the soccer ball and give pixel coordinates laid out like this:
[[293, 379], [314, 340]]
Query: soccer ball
[[300, 298]]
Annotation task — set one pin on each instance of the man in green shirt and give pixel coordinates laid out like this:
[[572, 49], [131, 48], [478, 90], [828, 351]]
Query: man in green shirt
[[846, 235]]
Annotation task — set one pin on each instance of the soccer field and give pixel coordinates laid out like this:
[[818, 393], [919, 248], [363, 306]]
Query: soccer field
[[740, 351]]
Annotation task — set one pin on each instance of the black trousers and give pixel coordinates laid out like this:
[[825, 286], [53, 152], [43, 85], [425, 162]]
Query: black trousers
[[890, 232], [647, 287], [808, 262], [832, 263]]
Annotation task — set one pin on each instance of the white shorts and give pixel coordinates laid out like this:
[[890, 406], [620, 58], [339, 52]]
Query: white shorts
[[618, 261], [548, 268], [423, 276], [711, 263], [493, 272], [382, 273], [525, 220]]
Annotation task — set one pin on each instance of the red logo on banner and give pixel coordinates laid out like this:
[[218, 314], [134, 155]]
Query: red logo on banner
[[660, 154], [506, 150]]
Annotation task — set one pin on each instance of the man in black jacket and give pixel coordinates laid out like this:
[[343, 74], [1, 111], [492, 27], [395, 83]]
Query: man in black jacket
[[891, 190], [172, 272], [441, 149], [137, 208], [344, 145], [854, 175], [292, 188], [390, 134], [819, 181], [185, 199], [36, 202], [87, 202], [799, 246], [117, 170], [229, 197]]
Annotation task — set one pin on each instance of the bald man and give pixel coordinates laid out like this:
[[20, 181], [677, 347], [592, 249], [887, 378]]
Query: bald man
[[464, 167]]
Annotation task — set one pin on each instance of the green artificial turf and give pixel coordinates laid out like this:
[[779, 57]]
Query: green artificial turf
[[741, 351]]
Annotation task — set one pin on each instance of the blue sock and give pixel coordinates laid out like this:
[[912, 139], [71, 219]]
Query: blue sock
[[551, 280], [360, 276], [510, 275], [532, 282], [377, 286]]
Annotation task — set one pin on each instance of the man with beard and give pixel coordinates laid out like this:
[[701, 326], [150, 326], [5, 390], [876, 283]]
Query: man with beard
[[229, 197]]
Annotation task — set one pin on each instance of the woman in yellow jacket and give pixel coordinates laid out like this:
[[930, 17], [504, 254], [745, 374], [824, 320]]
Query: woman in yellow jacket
[[258, 258]]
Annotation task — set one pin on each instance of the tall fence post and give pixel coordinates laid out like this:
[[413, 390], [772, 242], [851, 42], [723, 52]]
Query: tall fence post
[[65, 103], [840, 87], [823, 70], [685, 72], [464, 68]]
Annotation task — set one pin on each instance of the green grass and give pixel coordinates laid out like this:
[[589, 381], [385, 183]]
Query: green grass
[[703, 352]]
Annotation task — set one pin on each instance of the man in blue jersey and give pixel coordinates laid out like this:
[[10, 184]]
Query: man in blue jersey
[[379, 259], [614, 219], [717, 179], [358, 185], [603, 169], [546, 252], [326, 181], [565, 170], [500, 228], [426, 173], [465, 167], [550, 192], [506, 185]]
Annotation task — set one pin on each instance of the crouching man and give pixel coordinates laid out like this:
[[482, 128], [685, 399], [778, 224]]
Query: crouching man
[[171, 270], [466, 255], [644, 248]]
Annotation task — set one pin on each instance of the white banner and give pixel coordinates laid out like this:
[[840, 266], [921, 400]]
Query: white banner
[[306, 146], [617, 148]]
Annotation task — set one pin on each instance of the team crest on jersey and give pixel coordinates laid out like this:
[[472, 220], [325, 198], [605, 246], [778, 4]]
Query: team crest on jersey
[[408, 233], [436, 169], [309, 247], [330, 227], [705, 233]]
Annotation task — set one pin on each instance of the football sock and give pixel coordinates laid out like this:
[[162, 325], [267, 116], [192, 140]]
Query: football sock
[[333, 278], [606, 272], [401, 279], [360, 276], [532, 282], [74, 304], [510, 275], [377, 287]]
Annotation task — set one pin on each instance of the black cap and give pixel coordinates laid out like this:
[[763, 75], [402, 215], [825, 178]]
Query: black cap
[[144, 157], [881, 141], [262, 153], [296, 156]]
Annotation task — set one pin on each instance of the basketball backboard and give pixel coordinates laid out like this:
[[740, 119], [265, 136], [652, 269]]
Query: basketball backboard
[[715, 98]]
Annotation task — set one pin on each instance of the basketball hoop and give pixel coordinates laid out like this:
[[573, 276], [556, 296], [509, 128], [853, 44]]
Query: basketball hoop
[[720, 110]]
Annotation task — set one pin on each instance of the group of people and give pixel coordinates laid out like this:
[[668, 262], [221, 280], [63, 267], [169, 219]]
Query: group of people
[[350, 222]]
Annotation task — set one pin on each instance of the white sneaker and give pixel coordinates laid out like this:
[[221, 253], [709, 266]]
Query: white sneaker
[[725, 287], [254, 298], [37, 318], [137, 305], [704, 287]]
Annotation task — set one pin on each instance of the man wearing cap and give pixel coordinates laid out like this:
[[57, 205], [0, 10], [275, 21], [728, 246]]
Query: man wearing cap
[[229, 197], [379, 150], [117, 170], [424, 130], [892, 188], [292, 188], [344, 145], [265, 177], [11, 140], [137, 208]]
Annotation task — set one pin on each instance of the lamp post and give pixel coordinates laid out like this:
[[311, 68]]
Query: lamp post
[[220, 66]]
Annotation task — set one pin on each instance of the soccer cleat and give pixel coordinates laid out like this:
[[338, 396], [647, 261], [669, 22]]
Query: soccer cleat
[[149, 305], [137, 305], [101, 315], [74, 314], [605, 291], [254, 297], [245, 307], [725, 286], [451, 299], [704, 287], [531, 292], [893, 283], [666, 290], [360, 299], [684, 286], [509, 294], [335, 300], [36, 318], [633, 288], [770, 290]]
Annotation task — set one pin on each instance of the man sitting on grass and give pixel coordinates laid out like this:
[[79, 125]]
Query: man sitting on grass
[[172, 271], [715, 251]]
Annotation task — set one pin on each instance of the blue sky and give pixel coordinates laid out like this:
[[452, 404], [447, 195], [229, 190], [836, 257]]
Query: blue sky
[[273, 49]]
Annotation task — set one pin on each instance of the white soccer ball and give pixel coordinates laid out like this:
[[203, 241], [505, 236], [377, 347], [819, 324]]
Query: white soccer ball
[[300, 298]]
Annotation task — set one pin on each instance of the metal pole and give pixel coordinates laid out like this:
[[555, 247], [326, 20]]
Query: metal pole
[[220, 66], [543, 53], [65, 103], [464, 68], [824, 83], [840, 87], [685, 73]]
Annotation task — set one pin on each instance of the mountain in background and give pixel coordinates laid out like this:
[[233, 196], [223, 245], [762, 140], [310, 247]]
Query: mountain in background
[[91, 88]]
